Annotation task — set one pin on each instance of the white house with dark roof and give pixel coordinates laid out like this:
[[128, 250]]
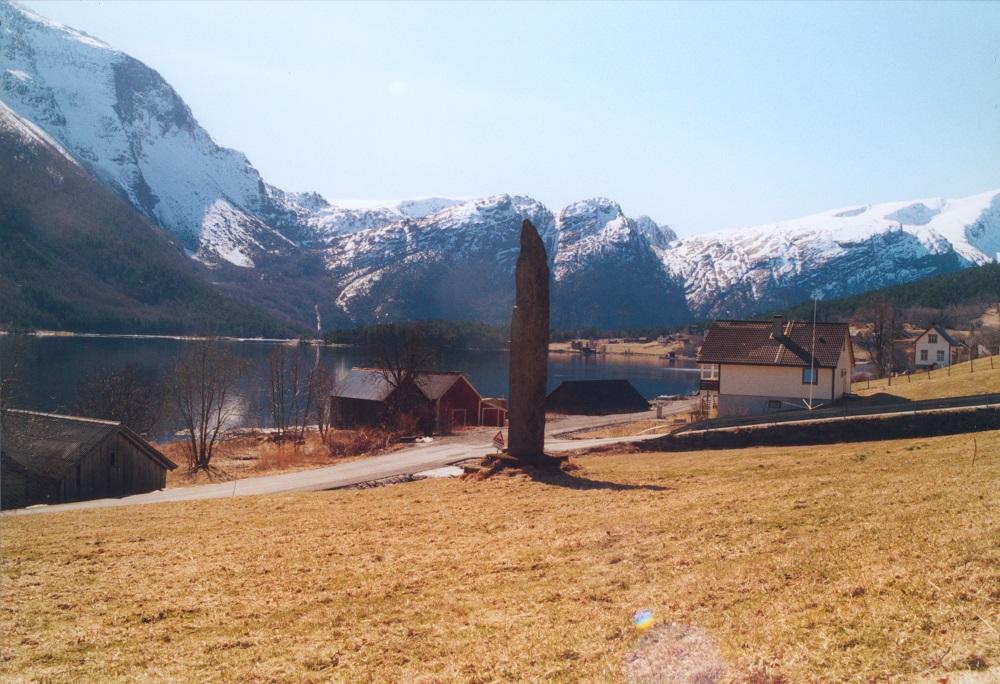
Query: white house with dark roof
[[935, 347], [759, 367]]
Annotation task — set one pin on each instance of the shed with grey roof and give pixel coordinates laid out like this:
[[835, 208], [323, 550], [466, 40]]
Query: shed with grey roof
[[49, 458]]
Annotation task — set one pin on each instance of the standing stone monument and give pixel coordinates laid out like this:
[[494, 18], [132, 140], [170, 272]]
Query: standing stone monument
[[529, 350]]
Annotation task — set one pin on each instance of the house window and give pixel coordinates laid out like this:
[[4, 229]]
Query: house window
[[810, 376], [923, 354], [774, 403], [932, 339], [940, 355]]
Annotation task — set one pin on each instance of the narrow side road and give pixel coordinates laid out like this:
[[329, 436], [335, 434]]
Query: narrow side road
[[415, 459]]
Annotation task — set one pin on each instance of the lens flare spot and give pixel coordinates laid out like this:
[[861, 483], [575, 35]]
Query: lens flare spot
[[643, 620]]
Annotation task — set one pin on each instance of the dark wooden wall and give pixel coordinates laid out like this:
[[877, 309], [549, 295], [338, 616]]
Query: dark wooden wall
[[115, 467]]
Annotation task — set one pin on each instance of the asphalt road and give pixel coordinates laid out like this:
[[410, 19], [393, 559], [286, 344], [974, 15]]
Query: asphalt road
[[409, 461]]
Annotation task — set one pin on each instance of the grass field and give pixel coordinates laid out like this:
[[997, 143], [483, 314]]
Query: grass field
[[852, 562], [963, 379]]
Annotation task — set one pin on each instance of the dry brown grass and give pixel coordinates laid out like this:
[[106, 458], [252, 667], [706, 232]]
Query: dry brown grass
[[963, 379], [857, 562], [246, 456]]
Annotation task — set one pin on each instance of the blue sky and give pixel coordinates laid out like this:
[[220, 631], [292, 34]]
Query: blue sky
[[702, 116]]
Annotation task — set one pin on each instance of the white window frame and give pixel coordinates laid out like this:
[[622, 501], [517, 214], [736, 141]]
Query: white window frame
[[709, 371]]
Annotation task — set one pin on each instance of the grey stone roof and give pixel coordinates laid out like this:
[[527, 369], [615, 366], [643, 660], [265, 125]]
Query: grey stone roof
[[371, 384], [48, 444]]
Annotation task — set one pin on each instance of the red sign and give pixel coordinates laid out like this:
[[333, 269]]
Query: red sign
[[498, 440]]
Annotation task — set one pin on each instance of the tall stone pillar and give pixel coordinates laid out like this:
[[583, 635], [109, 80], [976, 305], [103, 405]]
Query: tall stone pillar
[[529, 349]]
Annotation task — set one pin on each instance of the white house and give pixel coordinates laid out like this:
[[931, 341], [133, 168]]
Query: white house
[[764, 366], [935, 347]]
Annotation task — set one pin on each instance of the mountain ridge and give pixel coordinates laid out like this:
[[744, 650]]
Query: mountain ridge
[[295, 252]]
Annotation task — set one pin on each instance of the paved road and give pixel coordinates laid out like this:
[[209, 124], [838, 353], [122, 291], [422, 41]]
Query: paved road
[[409, 461]]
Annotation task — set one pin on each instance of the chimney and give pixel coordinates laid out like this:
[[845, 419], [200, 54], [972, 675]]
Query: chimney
[[777, 327]]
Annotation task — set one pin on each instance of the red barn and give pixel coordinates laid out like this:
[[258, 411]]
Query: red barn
[[363, 397], [455, 401]]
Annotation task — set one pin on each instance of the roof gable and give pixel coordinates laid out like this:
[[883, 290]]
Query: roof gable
[[752, 343], [368, 384], [939, 329], [48, 444], [597, 396], [372, 384]]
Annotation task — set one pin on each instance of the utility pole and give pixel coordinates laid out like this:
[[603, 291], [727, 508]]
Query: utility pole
[[812, 360]]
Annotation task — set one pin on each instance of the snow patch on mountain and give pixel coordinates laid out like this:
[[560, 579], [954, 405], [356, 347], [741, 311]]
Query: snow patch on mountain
[[918, 214], [29, 133], [332, 220], [124, 122], [598, 226], [419, 208]]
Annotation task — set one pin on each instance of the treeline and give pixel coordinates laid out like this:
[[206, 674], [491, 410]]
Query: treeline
[[440, 335], [951, 299], [457, 335]]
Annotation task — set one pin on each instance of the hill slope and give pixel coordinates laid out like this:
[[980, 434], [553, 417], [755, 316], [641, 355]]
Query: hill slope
[[978, 284], [76, 256]]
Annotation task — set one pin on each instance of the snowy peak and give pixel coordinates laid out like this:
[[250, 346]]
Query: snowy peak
[[121, 120], [328, 221], [834, 253], [419, 208]]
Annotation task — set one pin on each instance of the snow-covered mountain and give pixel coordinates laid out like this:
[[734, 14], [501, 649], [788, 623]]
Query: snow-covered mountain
[[125, 123], [835, 253], [435, 257]]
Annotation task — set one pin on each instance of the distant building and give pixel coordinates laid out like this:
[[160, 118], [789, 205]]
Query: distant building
[[935, 347], [47, 458], [365, 396], [493, 412], [758, 367], [595, 398]]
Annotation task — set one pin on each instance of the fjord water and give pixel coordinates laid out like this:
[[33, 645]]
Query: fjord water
[[45, 371]]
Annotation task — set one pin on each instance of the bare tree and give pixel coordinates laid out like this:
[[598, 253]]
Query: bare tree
[[201, 390], [320, 387], [885, 328], [294, 392], [125, 394], [401, 353]]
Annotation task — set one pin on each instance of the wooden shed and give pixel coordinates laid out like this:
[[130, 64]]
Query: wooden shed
[[595, 398], [48, 458]]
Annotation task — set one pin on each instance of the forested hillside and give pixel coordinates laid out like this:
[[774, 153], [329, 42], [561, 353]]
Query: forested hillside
[[969, 287], [76, 256]]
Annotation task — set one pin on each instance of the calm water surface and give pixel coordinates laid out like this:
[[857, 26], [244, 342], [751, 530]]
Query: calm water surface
[[46, 370]]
